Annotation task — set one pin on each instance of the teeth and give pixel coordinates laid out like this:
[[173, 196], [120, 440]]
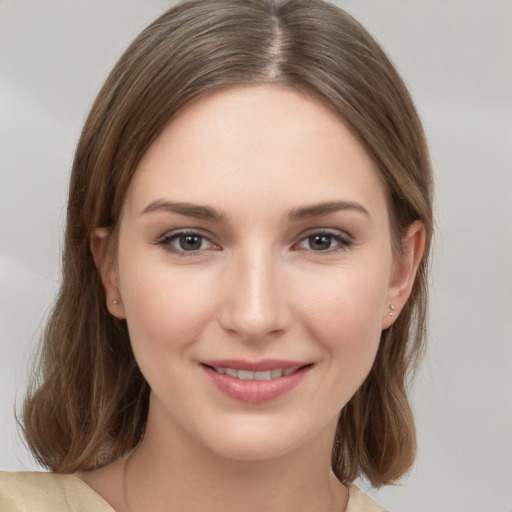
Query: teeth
[[262, 375], [232, 372], [245, 375]]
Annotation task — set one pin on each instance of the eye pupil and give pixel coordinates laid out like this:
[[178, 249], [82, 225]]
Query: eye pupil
[[320, 242], [190, 242]]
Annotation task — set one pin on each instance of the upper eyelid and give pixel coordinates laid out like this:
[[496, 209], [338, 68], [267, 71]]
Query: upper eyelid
[[326, 231], [186, 231]]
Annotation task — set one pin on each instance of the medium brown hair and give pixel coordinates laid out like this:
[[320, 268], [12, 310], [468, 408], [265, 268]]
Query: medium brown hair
[[89, 404]]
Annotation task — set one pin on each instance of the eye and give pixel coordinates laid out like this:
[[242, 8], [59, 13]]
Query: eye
[[185, 242], [325, 241]]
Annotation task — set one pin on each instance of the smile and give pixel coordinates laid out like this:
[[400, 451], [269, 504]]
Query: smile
[[255, 383], [275, 373]]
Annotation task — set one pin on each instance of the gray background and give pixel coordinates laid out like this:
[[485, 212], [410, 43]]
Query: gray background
[[456, 56]]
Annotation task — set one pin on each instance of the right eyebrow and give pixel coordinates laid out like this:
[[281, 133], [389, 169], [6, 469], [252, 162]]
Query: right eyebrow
[[186, 209]]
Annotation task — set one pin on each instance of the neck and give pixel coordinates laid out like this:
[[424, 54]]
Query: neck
[[175, 472]]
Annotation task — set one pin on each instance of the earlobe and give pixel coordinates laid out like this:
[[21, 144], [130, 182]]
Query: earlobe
[[99, 243], [404, 273]]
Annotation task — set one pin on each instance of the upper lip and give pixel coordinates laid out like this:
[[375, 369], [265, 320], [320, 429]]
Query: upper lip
[[254, 366]]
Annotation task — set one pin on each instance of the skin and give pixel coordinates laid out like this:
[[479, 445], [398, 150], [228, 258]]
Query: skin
[[260, 285]]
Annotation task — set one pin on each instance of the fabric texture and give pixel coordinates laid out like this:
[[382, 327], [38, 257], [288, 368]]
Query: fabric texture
[[31, 491], [358, 501], [28, 491]]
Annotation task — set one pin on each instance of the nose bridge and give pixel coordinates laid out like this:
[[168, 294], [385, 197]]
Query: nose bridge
[[255, 305]]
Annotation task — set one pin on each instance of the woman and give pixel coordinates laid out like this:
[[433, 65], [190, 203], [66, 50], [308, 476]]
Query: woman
[[245, 266]]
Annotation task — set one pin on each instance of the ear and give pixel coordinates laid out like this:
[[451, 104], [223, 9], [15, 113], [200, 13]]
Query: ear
[[107, 269], [404, 273]]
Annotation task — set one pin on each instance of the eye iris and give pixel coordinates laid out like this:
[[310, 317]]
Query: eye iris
[[320, 242], [190, 242]]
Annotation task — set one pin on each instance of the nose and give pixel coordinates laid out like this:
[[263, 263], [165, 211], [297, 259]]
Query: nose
[[255, 305]]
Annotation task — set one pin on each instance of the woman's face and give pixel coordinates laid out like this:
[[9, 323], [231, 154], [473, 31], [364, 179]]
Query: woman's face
[[255, 271]]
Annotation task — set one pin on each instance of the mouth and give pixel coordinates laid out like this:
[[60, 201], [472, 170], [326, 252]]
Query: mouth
[[255, 383]]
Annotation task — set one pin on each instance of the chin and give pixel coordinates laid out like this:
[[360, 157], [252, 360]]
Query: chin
[[253, 448], [264, 439]]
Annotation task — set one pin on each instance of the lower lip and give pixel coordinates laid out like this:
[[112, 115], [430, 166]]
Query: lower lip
[[254, 391]]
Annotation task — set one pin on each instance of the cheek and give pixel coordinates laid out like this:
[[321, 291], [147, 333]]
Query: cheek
[[344, 315], [165, 311], [348, 302]]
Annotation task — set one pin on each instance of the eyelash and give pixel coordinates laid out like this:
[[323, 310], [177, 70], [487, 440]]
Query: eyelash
[[343, 241], [167, 240]]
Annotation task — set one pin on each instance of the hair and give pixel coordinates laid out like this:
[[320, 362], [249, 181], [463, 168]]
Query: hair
[[88, 402]]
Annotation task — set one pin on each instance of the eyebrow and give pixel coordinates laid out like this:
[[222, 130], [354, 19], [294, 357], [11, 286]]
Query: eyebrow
[[317, 210], [209, 213], [186, 209]]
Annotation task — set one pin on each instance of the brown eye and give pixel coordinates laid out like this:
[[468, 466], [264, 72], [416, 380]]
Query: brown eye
[[185, 242], [325, 242], [190, 242], [320, 242]]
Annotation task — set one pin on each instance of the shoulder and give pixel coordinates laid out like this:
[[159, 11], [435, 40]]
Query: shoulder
[[358, 501], [31, 491]]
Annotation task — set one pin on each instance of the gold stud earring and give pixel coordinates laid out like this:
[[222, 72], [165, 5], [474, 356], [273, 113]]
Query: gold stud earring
[[393, 308]]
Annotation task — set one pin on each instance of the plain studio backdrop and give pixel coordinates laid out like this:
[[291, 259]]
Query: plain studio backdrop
[[455, 56]]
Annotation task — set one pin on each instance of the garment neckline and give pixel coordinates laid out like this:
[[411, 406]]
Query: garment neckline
[[92, 492], [352, 490]]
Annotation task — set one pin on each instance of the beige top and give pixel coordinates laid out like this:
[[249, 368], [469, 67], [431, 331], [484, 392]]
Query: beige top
[[29, 491]]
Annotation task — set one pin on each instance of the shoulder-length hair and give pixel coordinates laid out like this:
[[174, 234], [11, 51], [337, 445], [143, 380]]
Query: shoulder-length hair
[[89, 402]]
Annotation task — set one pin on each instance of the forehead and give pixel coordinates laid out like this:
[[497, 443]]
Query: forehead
[[265, 145]]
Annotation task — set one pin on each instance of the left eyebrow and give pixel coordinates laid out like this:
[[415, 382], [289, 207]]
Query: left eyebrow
[[317, 210]]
